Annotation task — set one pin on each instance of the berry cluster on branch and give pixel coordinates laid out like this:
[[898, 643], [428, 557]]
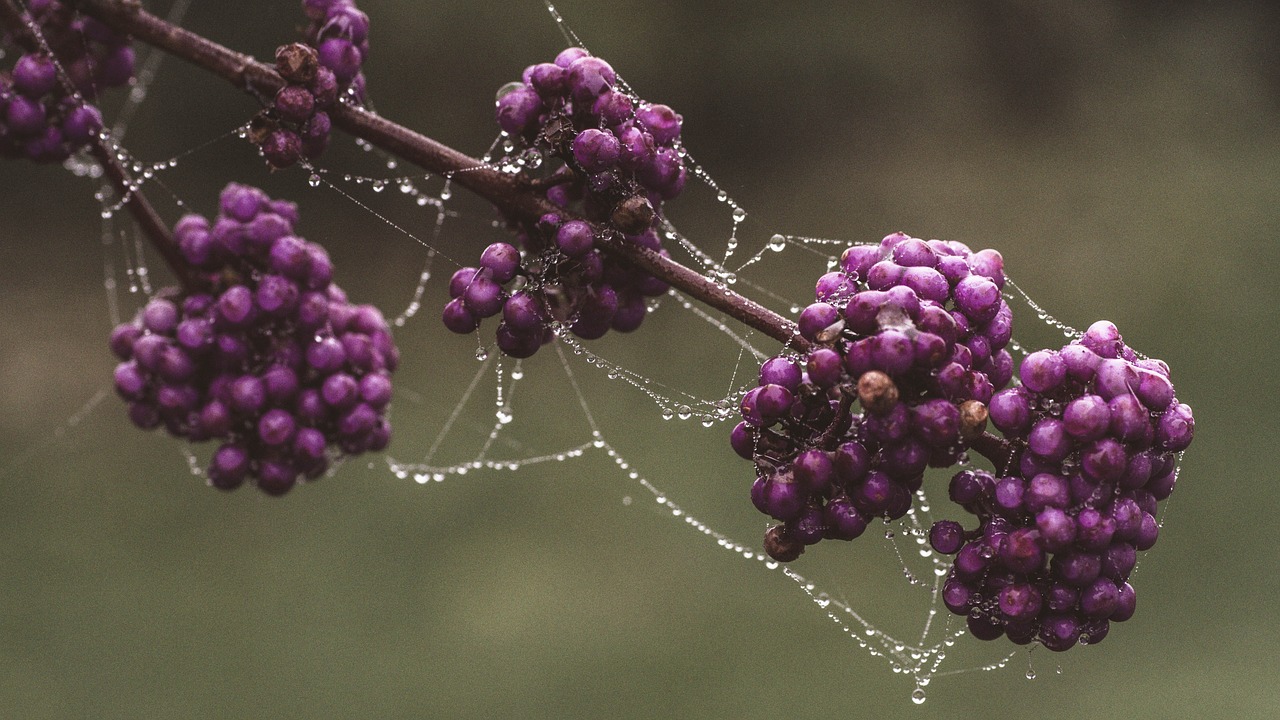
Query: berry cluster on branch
[[46, 117], [1095, 431], [607, 160], [266, 354], [296, 125], [911, 332]]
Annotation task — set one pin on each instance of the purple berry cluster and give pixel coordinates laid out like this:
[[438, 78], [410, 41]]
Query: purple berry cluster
[[914, 333], [41, 118], [614, 148], [296, 125], [339, 32], [1093, 433], [616, 161], [268, 355]]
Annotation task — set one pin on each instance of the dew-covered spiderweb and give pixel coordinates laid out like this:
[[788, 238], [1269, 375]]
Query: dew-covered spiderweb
[[500, 412]]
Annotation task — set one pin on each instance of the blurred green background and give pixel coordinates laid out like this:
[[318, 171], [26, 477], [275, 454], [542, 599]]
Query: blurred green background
[[1123, 156]]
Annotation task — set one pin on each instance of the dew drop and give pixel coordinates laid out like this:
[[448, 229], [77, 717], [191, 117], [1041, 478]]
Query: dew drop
[[684, 412], [626, 500], [379, 186], [918, 696], [739, 215], [777, 243], [446, 193], [313, 180], [1031, 674], [482, 354], [667, 414]]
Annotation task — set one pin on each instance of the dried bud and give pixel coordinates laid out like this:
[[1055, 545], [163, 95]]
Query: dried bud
[[973, 419], [559, 134], [261, 126], [876, 392], [297, 63], [633, 215], [781, 546]]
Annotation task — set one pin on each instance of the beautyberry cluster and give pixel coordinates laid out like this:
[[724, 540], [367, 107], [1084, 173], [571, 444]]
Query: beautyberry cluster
[[339, 32], [615, 160], [1093, 434], [267, 355], [41, 118], [913, 333], [296, 125]]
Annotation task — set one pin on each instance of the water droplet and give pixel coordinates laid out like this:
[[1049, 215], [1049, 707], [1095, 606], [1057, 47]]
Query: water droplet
[[379, 186], [684, 412], [314, 180], [888, 534], [1031, 674], [482, 354], [626, 500], [739, 215], [777, 243], [667, 414], [722, 196], [918, 696]]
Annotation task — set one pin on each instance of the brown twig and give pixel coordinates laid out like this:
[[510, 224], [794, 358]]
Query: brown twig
[[513, 196]]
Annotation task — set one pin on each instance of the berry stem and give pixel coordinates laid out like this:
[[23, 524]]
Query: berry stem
[[514, 197], [995, 449]]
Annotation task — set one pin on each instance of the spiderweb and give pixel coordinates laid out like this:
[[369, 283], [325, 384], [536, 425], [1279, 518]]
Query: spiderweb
[[489, 428]]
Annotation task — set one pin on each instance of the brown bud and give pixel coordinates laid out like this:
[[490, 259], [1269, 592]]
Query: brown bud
[[559, 133], [780, 545], [633, 215], [973, 419], [877, 392], [260, 126], [297, 63]]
